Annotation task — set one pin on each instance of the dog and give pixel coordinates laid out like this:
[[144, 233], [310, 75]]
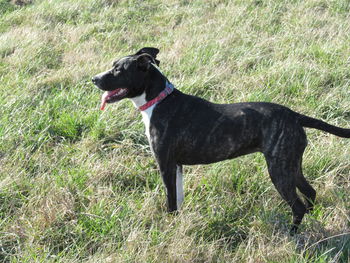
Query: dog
[[187, 130]]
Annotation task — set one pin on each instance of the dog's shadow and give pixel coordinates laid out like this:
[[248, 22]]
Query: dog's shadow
[[329, 245]]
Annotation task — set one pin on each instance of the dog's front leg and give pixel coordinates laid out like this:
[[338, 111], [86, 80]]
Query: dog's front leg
[[172, 178], [179, 186]]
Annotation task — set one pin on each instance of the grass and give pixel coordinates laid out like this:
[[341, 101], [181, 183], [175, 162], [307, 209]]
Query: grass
[[81, 185]]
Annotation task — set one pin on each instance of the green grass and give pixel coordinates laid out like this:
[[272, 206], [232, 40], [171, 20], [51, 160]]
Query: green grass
[[81, 185]]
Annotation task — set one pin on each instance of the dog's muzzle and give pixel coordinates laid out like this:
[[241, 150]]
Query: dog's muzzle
[[96, 80]]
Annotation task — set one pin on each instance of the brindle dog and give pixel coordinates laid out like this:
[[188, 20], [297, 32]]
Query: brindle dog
[[185, 130]]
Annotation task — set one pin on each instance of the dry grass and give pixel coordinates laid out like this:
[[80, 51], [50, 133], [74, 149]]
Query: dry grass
[[79, 185]]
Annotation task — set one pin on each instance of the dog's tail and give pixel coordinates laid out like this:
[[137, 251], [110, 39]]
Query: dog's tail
[[309, 122]]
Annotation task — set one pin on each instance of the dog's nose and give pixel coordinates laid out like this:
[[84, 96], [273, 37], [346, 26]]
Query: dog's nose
[[94, 80]]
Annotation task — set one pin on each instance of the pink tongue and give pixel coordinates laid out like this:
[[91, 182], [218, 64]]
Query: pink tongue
[[104, 99]]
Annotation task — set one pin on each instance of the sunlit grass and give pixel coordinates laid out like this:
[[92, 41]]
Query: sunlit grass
[[78, 184]]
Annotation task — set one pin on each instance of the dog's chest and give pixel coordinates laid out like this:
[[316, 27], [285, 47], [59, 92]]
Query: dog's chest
[[146, 118], [146, 114]]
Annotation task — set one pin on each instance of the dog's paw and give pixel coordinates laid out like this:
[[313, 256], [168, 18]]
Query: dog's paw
[[293, 230]]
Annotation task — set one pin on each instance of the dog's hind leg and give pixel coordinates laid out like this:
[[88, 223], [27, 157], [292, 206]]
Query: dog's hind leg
[[306, 189], [282, 174], [283, 151]]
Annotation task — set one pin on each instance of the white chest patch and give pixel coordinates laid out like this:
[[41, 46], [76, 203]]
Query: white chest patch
[[146, 114]]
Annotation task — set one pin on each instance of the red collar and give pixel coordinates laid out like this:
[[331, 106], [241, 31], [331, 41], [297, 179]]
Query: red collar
[[168, 89]]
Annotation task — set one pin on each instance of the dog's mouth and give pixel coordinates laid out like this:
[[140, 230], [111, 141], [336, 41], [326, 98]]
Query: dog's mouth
[[112, 96]]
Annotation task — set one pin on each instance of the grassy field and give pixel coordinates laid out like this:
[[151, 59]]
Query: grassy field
[[81, 185]]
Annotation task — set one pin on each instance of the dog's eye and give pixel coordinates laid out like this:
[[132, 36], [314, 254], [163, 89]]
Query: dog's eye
[[116, 71]]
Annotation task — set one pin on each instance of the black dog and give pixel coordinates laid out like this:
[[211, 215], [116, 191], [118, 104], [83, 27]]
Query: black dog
[[184, 129]]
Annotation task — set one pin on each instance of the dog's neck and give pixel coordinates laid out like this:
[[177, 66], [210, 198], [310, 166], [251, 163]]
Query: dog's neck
[[154, 85]]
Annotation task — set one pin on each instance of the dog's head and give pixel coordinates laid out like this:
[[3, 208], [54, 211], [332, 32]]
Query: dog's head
[[127, 77]]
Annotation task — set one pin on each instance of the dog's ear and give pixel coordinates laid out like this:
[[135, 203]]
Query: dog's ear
[[152, 51], [144, 61]]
